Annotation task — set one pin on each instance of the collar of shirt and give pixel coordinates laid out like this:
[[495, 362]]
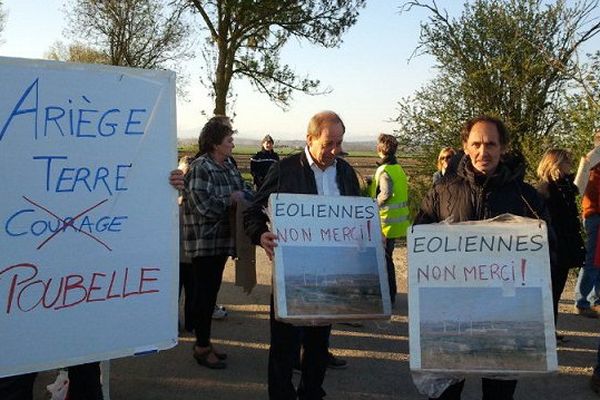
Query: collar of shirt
[[326, 180]]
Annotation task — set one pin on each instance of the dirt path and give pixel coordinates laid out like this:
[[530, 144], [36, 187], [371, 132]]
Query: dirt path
[[377, 355]]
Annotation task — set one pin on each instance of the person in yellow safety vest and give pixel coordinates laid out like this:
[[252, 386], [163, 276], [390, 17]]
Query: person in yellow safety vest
[[390, 187]]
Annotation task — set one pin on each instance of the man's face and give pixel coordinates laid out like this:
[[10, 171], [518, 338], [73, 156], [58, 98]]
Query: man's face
[[483, 147], [327, 146]]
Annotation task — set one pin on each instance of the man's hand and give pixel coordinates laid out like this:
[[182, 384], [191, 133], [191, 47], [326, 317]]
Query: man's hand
[[176, 179], [268, 241]]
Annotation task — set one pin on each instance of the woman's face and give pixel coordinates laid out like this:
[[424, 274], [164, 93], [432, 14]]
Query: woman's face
[[225, 148], [565, 168], [444, 158]]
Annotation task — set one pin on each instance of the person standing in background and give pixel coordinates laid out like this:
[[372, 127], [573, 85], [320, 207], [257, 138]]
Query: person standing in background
[[390, 187], [557, 189], [587, 296], [262, 161], [443, 159]]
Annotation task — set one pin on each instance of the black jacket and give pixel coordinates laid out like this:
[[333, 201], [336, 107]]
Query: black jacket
[[292, 175], [467, 196], [260, 164], [560, 198]]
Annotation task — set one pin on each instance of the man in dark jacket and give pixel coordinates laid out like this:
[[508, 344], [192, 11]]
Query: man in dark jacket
[[316, 170], [262, 161], [487, 183]]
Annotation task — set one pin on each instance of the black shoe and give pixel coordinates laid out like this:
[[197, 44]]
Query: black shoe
[[336, 363]]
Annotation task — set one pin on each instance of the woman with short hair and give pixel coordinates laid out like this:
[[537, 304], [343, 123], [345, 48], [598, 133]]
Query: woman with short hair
[[213, 187]]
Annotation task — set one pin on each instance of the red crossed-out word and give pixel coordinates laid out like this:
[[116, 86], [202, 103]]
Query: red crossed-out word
[[68, 223]]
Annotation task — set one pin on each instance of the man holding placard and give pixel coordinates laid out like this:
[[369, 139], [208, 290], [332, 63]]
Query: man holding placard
[[488, 183], [316, 170]]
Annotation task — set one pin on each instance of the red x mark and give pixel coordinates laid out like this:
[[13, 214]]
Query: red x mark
[[69, 223]]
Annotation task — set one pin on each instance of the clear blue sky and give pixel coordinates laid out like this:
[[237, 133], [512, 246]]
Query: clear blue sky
[[369, 73]]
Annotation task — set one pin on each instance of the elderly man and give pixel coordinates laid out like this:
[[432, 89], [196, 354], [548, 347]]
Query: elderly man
[[487, 183], [316, 170]]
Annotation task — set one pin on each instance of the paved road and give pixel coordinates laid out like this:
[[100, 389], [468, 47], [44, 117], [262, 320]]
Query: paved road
[[377, 354]]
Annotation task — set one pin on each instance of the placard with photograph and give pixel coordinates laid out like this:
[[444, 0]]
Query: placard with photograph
[[480, 299], [329, 263]]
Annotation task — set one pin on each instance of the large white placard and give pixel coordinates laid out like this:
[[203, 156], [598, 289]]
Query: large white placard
[[88, 226], [480, 299], [329, 261]]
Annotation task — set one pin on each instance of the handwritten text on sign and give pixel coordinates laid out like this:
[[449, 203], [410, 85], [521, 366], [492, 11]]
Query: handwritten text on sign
[[325, 222], [512, 268], [91, 145], [479, 297]]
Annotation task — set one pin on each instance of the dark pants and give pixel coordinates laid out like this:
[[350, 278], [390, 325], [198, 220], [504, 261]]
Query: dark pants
[[391, 270], [208, 275], [286, 339], [186, 281], [18, 387], [559, 277], [492, 389], [84, 384]]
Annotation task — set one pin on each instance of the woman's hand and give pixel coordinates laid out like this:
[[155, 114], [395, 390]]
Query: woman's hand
[[176, 179], [236, 196]]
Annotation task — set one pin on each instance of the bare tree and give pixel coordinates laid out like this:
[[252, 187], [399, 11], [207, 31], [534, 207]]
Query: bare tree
[[246, 37], [133, 33]]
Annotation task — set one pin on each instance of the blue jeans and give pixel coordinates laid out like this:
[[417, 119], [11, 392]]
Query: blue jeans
[[587, 290]]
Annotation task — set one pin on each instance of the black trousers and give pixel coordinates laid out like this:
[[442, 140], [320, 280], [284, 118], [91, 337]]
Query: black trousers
[[391, 270], [186, 281], [286, 339], [208, 275], [559, 277], [84, 384], [492, 389]]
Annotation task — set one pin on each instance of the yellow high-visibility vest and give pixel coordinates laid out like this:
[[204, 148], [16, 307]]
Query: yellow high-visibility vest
[[394, 212]]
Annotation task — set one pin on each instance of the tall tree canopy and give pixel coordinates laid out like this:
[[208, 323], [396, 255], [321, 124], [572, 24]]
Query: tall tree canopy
[[132, 33], [246, 37], [511, 58]]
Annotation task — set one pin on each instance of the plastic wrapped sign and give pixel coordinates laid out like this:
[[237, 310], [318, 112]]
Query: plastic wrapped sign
[[480, 298], [329, 263]]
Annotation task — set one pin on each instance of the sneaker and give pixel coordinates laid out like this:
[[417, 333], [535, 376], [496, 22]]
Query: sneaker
[[586, 312], [219, 313], [595, 383], [336, 363]]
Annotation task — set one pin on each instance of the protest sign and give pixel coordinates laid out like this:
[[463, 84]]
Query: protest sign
[[88, 226], [329, 260], [480, 298]]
